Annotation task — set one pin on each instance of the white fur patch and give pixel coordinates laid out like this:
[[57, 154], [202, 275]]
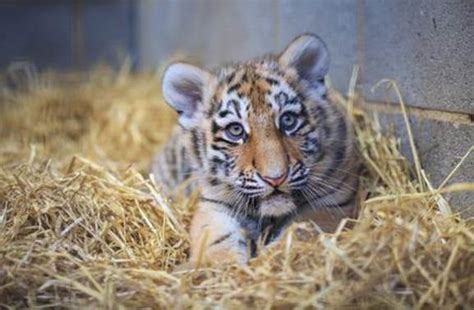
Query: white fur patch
[[276, 205]]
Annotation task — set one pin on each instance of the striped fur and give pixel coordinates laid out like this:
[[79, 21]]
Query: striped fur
[[266, 148]]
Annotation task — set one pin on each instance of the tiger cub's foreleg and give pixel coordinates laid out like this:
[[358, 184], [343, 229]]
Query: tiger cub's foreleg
[[216, 236]]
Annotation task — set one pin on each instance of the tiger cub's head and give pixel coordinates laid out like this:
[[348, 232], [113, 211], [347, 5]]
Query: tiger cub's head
[[261, 127]]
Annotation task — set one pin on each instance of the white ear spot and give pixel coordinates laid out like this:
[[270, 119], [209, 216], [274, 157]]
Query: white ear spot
[[309, 56], [183, 88]]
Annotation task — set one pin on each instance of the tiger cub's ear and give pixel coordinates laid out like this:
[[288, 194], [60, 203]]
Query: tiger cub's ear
[[184, 88], [309, 56]]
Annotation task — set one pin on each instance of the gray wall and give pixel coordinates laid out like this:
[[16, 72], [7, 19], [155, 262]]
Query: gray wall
[[425, 45], [66, 34]]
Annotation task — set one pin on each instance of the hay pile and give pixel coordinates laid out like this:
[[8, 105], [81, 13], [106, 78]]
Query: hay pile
[[82, 225]]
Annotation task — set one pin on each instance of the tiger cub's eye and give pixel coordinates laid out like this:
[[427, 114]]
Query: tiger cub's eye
[[288, 121], [235, 131]]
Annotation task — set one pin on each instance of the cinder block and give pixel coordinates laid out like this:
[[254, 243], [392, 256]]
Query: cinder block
[[427, 46], [211, 32], [107, 29], [440, 146], [37, 34], [65, 35]]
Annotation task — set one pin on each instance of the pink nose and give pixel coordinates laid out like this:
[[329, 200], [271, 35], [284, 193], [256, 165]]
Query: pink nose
[[275, 182]]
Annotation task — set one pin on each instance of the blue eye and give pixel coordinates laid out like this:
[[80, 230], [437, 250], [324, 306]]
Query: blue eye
[[235, 131], [288, 121]]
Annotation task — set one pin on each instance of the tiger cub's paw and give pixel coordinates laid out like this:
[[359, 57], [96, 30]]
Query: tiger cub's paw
[[220, 255]]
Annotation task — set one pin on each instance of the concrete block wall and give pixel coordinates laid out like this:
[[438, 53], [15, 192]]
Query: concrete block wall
[[428, 48], [426, 45]]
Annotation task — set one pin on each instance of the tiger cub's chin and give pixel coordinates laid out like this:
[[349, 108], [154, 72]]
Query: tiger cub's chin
[[252, 128], [275, 205]]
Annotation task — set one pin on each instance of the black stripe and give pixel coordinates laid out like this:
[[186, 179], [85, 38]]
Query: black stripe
[[312, 140], [218, 139], [224, 113], [233, 88], [219, 202], [307, 131], [236, 108], [298, 167], [348, 201], [230, 77], [302, 177], [211, 109], [293, 100], [227, 164], [214, 181], [253, 248], [216, 147], [196, 146], [250, 245], [217, 160], [203, 143], [304, 110], [183, 162], [214, 106], [271, 227], [249, 187], [221, 239], [215, 128], [173, 164], [213, 169], [272, 81], [313, 146], [281, 98]]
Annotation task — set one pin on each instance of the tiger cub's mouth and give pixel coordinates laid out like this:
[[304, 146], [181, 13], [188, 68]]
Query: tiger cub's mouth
[[277, 192]]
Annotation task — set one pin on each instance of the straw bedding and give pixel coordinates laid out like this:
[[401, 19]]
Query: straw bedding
[[82, 225]]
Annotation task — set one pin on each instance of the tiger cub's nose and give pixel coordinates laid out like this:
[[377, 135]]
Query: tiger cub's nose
[[275, 181]]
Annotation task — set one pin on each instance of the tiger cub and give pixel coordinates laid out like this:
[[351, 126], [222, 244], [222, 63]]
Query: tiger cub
[[263, 144]]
